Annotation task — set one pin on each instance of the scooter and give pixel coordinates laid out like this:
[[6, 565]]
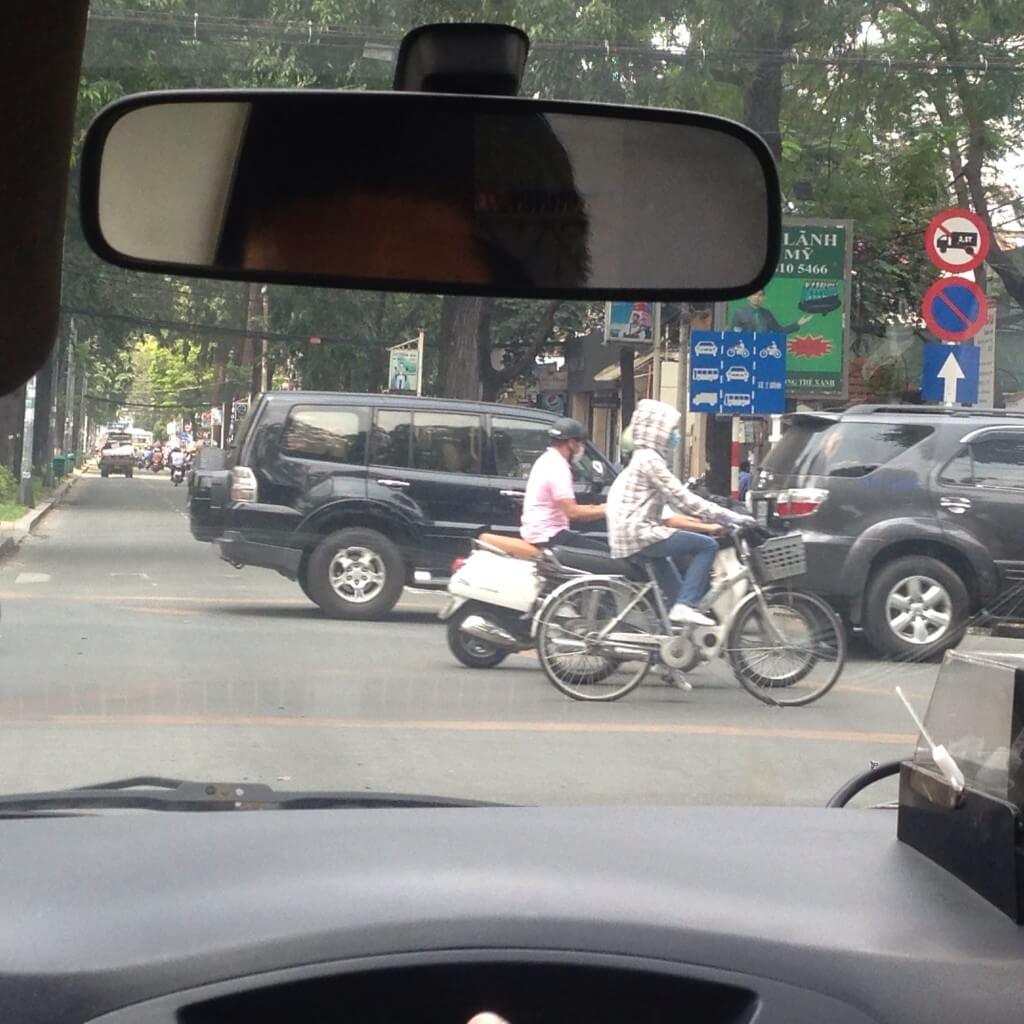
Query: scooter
[[496, 592], [177, 474]]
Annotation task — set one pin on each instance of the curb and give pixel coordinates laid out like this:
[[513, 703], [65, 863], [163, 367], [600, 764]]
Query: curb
[[12, 534]]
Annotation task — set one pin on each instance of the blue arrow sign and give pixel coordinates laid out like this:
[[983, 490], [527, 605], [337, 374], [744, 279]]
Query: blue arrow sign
[[950, 373]]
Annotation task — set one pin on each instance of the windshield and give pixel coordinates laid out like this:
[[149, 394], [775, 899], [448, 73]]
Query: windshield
[[294, 610]]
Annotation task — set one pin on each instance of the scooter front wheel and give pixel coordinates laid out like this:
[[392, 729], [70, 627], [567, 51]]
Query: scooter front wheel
[[471, 651]]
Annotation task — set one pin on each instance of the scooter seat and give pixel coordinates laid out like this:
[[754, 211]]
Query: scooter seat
[[514, 546], [599, 563]]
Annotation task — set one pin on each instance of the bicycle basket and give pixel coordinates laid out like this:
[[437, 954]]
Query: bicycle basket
[[779, 558]]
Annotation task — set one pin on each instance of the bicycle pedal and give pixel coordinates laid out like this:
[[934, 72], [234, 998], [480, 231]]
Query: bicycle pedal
[[677, 680]]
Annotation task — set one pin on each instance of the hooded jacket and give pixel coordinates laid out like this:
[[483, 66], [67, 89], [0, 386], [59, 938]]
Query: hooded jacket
[[641, 491]]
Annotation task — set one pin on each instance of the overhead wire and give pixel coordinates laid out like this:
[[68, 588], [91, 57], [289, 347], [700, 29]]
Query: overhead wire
[[194, 28]]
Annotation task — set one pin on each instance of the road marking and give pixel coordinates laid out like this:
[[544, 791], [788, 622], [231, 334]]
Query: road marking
[[456, 725], [157, 598], [154, 611], [135, 575], [32, 577]]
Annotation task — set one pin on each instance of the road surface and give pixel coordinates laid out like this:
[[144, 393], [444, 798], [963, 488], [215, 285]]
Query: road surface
[[127, 648]]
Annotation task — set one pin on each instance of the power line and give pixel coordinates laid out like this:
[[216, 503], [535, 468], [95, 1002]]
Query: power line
[[215, 329], [122, 404], [196, 28]]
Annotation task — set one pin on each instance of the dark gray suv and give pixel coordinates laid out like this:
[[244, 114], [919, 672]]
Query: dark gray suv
[[913, 517]]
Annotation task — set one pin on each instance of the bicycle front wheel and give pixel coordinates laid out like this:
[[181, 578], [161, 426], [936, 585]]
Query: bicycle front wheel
[[575, 660], [787, 650]]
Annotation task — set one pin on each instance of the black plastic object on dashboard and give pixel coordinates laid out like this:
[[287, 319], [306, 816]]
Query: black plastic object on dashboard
[[961, 794]]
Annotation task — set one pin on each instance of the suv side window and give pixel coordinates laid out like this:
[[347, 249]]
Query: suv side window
[[999, 463], [330, 434], [447, 442], [517, 445], [994, 463], [392, 437], [441, 441]]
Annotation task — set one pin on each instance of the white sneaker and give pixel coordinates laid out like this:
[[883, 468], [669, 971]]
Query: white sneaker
[[684, 613]]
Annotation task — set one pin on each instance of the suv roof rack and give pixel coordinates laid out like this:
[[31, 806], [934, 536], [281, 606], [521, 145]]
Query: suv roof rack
[[934, 410]]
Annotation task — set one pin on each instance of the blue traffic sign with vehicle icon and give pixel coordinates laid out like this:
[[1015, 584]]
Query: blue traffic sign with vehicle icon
[[737, 373]]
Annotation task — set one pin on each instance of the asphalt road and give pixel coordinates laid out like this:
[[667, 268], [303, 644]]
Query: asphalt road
[[127, 648]]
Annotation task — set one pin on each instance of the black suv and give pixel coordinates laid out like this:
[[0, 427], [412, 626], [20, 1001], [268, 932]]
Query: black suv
[[356, 496], [913, 516]]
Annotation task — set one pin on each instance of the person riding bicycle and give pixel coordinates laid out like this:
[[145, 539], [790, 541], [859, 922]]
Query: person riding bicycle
[[550, 501], [636, 514]]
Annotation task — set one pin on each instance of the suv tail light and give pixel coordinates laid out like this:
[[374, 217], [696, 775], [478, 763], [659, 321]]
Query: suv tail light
[[799, 501], [243, 484]]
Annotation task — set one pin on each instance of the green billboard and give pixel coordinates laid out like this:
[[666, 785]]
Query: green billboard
[[807, 301]]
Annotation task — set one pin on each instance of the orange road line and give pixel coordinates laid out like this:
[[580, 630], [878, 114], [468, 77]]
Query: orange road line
[[448, 725], [51, 596]]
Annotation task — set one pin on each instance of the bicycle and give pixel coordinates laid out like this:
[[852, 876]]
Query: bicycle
[[599, 633]]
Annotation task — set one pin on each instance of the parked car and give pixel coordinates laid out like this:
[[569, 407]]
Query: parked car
[[356, 496], [912, 517]]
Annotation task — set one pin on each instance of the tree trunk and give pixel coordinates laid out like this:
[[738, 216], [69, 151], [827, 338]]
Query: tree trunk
[[12, 424], [463, 320], [627, 383], [492, 381], [762, 103], [42, 434]]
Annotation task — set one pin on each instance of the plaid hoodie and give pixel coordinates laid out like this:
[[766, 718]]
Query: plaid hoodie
[[640, 492]]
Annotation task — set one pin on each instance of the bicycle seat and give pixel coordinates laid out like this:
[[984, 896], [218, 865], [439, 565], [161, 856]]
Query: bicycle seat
[[599, 563]]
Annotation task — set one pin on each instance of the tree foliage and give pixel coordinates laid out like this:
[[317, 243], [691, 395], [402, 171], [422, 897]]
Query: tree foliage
[[879, 112]]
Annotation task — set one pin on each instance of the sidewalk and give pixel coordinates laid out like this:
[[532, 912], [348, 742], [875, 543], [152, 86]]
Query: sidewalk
[[12, 534]]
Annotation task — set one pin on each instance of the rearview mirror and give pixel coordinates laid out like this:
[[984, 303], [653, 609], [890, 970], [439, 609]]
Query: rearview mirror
[[433, 193]]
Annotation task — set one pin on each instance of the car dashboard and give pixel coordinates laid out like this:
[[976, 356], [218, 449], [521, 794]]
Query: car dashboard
[[595, 914]]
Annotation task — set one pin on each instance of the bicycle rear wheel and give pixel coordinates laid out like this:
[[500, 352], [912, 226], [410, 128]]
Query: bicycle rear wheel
[[574, 660], [788, 652]]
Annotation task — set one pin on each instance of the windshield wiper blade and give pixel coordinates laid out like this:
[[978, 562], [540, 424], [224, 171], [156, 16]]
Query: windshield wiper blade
[[155, 793]]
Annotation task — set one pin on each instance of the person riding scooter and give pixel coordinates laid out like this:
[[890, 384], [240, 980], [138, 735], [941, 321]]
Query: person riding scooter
[[636, 507], [177, 465], [550, 501]]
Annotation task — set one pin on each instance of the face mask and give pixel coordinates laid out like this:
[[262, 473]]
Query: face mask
[[577, 453], [673, 440]]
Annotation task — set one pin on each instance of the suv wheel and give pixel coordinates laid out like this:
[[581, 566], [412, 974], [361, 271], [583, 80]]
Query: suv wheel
[[355, 574], [303, 580], [915, 607]]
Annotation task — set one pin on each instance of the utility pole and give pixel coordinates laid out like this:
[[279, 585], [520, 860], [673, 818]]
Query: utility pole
[[419, 362], [69, 393], [25, 496], [682, 380], [656, 354], [264, 383]]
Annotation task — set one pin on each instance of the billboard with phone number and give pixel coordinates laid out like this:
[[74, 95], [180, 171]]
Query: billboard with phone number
[[806, 301]]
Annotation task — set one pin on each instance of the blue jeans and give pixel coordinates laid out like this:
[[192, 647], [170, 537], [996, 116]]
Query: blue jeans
[[693, 585]]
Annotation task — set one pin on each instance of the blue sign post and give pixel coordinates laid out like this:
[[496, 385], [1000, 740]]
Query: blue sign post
[[950, 373], [737, 373]]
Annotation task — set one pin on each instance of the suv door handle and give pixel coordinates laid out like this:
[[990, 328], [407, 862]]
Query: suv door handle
[[388, 482], [513, 494], [956, 505]]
